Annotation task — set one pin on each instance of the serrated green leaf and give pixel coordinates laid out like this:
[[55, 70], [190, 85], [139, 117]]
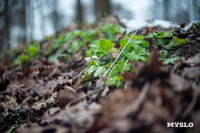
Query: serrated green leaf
[[126, 67], [99, 72], [171, 60], [102, 43], [91, 69], [123, 42], [162, 41], [175, 42], [116, 80], [115, 70]]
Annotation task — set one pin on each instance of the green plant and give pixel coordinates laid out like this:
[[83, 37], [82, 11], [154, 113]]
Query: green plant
[[161, 37], [12, 128], [170, 60], [31, 52], [80, 38], [176, 42], [58, 43], [167, 40], [170, 43], [33, 49], [135, 51], [110, 29], [198, 23], [20, 59]]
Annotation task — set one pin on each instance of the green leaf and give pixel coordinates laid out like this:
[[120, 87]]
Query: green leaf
[[75, 46], [126, 67], [162, 41], [163, 55], [161, 37], [91, 69], [33, 49], [176, 42], [198, 23], [123, 42], [102, 43], [91, 63], [55, 56], [66, 56], [171, 60], [162, 34], [99, 72], [88, 58], [141, 43], [105, 44], [116, 80], [20, 59], [12, 128], [115, 70]]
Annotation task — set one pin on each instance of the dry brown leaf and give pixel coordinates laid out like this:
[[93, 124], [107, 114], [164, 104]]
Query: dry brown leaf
[[66, 95]]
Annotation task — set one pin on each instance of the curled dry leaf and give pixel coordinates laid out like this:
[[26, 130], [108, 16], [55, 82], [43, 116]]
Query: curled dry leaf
[[66, 95]]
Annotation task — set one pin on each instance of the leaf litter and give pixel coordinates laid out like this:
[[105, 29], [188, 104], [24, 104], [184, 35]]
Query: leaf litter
[[35, 96]]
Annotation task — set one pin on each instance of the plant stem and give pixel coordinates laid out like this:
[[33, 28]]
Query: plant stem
[[95, 62]]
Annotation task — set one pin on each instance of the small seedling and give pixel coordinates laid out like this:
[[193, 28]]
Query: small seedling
[[33, 49], [20, 59]]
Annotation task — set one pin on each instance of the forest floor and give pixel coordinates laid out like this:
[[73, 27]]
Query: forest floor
[[40, 84]]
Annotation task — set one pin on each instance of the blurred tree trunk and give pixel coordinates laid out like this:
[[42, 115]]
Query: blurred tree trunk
[[41, 4], [23, 21], [30, 18], [5, 33], [79, 12], [102, 8], [56, 16], [194, 9], [166, 9]]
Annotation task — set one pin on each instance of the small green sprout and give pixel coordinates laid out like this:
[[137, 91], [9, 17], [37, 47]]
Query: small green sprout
[[20, 59], [33, 49]]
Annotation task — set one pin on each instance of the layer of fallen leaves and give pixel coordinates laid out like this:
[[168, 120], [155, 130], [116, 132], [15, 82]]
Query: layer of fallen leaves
[[153, 96]]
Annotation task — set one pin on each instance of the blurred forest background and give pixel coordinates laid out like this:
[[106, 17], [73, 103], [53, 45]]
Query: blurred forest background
[[22, 21]]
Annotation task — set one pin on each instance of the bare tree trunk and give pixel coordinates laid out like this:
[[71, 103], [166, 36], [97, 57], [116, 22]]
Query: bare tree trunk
[[102, 8], [56, 16], [30, 18], [6, 29], [166, 9], [23, 22], [79, 12]]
